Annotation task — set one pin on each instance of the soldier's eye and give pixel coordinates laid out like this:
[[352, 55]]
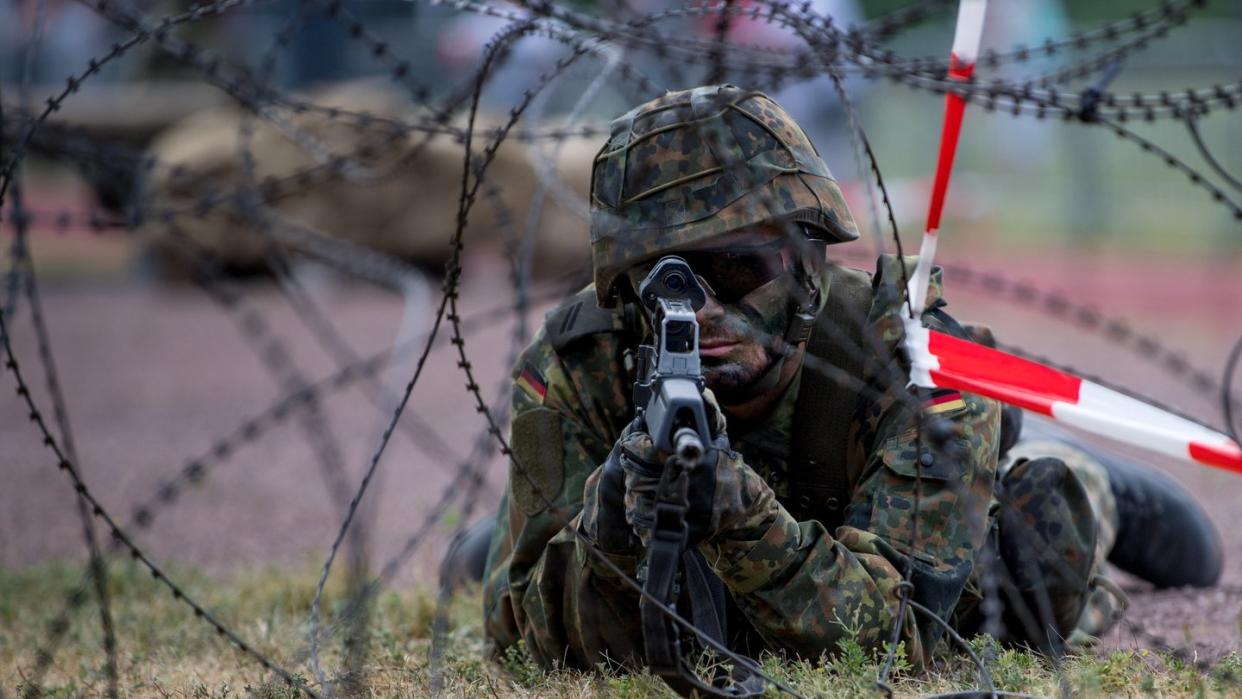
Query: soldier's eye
[[732, 274]]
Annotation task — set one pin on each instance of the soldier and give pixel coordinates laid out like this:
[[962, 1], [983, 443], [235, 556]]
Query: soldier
[[829, 482]]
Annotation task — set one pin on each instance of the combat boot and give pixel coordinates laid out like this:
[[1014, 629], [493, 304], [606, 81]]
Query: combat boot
[[1163, 534], [467, 555]]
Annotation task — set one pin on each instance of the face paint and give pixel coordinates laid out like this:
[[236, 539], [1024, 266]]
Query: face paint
[[753, 292], [740, 343]]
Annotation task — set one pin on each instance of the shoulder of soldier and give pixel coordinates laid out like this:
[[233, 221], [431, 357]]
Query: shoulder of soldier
[[579, 318], [891, 275], [889, 284], [880, 297], [579, 352]]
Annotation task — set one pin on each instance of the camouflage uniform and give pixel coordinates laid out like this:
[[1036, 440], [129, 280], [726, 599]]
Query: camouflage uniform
[[1036, 439], [1105, 602], [798, 588]]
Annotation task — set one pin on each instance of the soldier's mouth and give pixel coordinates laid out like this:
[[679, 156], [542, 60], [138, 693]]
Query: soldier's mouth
[[715, 348]]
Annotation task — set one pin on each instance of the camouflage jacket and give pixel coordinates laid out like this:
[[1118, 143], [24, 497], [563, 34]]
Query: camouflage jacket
[[800, 587]]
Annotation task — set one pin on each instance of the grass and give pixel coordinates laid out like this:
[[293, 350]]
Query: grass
[[166, 652]]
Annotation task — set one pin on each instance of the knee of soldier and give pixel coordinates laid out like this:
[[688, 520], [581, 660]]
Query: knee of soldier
[[1047, 537], [1047, 526]]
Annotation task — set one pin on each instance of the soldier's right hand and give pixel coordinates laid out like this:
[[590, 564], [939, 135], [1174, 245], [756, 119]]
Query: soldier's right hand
[[742, 502], [625, 492], [644, 466]]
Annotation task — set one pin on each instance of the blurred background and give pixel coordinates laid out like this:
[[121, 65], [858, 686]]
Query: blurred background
[[204, 250], [1025, 183]]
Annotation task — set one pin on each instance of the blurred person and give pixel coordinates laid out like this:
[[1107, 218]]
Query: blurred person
[[69, 36]]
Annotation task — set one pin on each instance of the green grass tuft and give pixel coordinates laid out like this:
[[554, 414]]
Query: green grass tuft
[[166, 652]]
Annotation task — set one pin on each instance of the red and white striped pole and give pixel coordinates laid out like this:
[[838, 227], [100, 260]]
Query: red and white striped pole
[[943, 361], [966, 39]]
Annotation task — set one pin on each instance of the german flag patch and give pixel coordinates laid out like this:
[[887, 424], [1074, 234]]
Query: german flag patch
[[531, 381], [944, 400]]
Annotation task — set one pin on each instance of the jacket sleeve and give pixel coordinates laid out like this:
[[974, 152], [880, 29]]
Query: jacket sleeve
[[542, 585], [914, 505], [804, 589]]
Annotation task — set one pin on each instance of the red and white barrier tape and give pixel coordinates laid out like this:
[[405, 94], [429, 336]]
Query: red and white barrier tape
[[943, 361], [966, 38], [949, 362]]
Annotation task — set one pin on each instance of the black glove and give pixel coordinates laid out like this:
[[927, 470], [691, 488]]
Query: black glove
[[644, 466], [606, 522]]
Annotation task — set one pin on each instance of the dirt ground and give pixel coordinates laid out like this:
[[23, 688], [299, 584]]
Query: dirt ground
[[155, 374]]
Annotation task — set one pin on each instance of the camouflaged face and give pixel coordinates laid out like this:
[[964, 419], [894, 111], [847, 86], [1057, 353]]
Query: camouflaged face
[[693, 165]]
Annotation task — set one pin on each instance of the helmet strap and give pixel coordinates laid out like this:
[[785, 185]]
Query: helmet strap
[[803, 319], [797, 332], [800, 325]]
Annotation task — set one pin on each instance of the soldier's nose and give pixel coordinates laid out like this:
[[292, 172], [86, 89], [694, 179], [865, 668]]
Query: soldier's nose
[[710, 310]]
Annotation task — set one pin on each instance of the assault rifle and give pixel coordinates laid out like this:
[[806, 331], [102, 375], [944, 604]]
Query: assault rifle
[[669, 390], [669, 398]]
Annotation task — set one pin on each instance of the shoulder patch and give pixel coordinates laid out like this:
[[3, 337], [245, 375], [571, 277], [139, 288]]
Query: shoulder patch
[[536, 443], [578, 317]]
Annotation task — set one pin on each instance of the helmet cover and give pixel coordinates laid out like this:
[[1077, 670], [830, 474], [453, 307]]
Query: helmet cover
[[694, 165]]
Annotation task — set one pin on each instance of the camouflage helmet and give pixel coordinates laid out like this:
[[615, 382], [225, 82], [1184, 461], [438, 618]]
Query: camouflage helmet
[[693, 165]]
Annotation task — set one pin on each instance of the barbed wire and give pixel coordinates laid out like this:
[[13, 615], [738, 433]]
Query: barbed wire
[[829, 50], [97, 565], [197, 469], [1196, 178], [22, 274], [70, 470], [1152, 22]]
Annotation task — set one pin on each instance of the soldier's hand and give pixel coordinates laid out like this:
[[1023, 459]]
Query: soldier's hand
[[742, 500], [644, 465], [625, 492], [715, 417], [604, 513]]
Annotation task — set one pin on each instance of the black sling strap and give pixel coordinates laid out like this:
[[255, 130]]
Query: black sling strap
[[819, 480], [666, 558]]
